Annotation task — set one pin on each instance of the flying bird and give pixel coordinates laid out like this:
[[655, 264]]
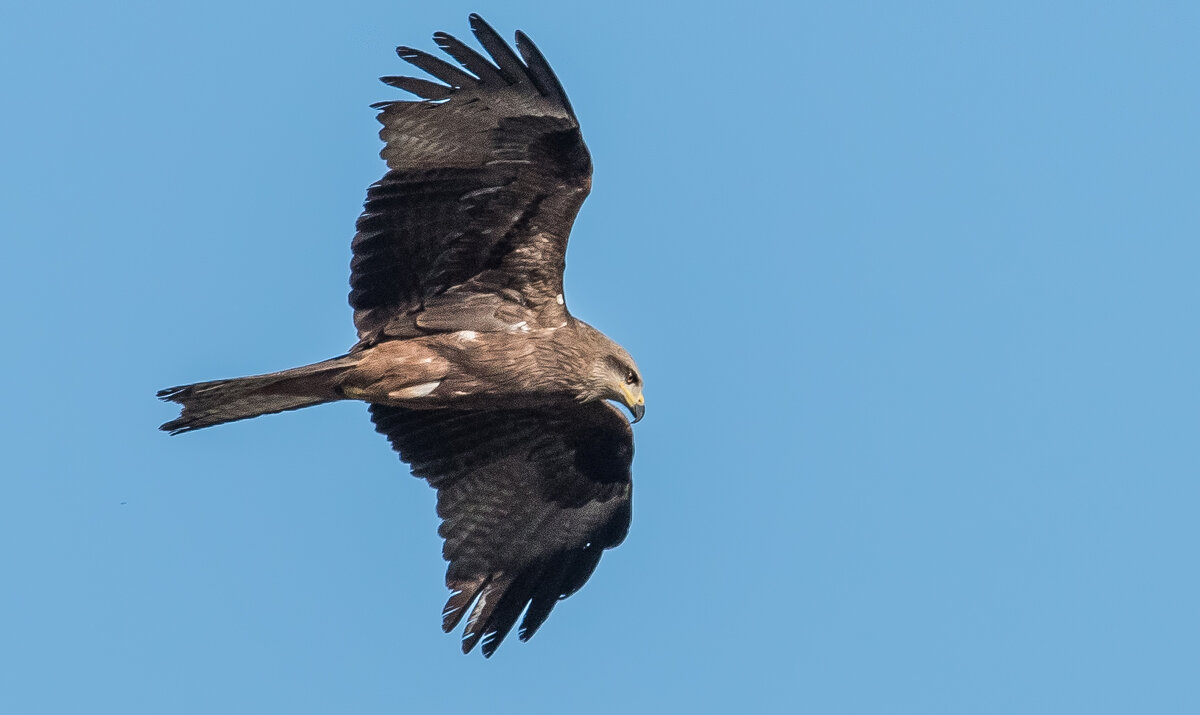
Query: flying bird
[[472, 365]]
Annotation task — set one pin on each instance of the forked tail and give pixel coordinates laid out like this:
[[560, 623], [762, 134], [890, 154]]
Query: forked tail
[[212, 403]]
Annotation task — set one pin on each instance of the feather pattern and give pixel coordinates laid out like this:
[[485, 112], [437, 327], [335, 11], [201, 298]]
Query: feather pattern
[[529, 499], [487, 172]]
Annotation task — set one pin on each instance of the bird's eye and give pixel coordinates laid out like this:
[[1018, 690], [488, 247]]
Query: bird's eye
[[630, 378]]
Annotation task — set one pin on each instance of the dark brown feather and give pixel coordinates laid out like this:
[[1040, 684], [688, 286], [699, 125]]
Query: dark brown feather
[[219, 401], [529, 499], [539, 68], [504, 57], [487, 73], [435, 66], [487, 173], [421, 87], [463, 593]]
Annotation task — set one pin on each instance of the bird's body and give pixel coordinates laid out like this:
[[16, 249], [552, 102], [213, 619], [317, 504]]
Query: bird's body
[[473, 366], [470, 368]]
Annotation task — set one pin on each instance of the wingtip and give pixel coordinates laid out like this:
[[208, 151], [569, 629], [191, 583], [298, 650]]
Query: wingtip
[[463, 593], [471, 635], [478, 24], [173, 427], [451, 615], [541, 72]]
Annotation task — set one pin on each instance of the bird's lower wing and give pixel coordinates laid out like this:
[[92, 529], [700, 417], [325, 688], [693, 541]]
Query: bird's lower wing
[[529, 499]]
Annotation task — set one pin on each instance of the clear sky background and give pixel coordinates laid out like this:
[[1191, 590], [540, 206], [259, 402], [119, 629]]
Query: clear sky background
[[913, 287]]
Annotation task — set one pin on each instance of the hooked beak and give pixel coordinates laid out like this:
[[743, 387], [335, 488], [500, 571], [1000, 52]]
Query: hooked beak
[[636, 404]]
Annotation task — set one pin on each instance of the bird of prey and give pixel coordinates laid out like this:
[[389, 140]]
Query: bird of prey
[[472, 365]]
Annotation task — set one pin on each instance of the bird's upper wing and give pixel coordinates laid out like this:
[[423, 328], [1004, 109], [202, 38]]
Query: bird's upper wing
[[529, 499], [486, 175]]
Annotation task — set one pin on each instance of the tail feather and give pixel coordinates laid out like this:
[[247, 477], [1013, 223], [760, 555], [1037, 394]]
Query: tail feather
[[212, 403]]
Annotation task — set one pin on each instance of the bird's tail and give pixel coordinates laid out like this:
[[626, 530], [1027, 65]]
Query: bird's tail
[[212, 403]]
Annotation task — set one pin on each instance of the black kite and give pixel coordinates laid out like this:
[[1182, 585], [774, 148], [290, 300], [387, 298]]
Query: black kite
[[473, 367]]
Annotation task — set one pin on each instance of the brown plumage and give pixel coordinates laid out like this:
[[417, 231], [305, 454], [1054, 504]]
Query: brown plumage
[[473, 367]]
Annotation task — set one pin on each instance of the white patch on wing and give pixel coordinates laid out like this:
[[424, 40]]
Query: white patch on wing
[[522, 326], [427, 360], [466, 335], [415, 391], [559, 298]]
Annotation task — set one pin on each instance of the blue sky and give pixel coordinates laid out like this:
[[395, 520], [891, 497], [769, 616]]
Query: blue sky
[[913, 288]]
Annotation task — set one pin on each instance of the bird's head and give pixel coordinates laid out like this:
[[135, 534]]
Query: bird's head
[[614, 375]]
